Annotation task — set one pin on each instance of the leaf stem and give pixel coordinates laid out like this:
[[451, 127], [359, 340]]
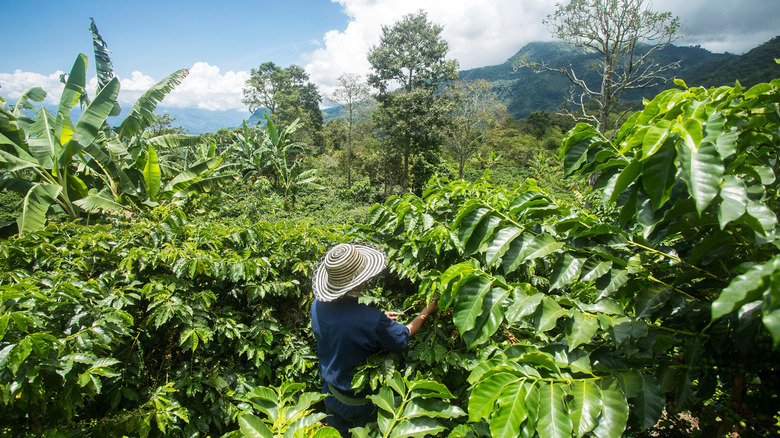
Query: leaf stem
[[677, 259]]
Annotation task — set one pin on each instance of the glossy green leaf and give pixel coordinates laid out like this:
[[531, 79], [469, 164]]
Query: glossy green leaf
[[4, 319], [151, 172], [733, 196], [580, 329], [565, 270], [547, 315], [91, 121], [416, 427], [659, 174], [35, 205], [702, 172], [511, 412], [384, 399], [614, 414], [253, 427], [553, 420], [525, 300], [482, 233], [500, 244], [540, 358], [265, 400], [468, 223], [532, 401], [576, 144], [487, 323], [765, 217], [594, 268], [529, 247], [431, 407], [757, 90], [655, 138], [585, 405], [468, 304], [327, 432], [650, 402], [428, 388], [484, 395], [744, 288], [650, 299], [771, 320], [627, 176]]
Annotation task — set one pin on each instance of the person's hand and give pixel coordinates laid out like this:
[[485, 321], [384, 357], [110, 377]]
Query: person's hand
[[432, 307], [392, 315]]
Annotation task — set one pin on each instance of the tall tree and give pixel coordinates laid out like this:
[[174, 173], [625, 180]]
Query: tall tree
[[351, 94], [285, 93], [626, 34], [411, 55], [475, 109]]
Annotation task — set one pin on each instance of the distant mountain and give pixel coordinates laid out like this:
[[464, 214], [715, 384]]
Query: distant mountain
[[195, 121], [756, 66], [198, 121], [524, 91]]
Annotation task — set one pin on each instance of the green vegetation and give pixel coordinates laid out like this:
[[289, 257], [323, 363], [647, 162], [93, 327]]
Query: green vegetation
[[158, 284]]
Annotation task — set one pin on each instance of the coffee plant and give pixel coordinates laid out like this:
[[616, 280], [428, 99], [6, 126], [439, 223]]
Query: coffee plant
[[656, 301], [660, 298], [159, 326]]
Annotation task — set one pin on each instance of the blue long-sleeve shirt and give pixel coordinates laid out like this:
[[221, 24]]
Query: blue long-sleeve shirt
[[347, 333]]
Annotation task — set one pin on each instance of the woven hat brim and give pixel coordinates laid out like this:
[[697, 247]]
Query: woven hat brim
[[375, 262]]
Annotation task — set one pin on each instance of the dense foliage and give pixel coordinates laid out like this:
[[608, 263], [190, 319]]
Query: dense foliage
[[165, 322], [651, 303]]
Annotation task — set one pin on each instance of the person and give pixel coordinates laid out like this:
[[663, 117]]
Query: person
[[348, 332]]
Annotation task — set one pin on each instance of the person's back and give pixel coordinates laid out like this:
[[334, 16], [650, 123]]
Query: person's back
[[348, 332]]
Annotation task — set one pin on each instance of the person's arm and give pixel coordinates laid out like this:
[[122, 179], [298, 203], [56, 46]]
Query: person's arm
[[415, 325]]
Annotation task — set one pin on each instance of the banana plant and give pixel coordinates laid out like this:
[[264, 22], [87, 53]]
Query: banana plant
[[128, 159], [290, 176], [42, 165], [248, 155]]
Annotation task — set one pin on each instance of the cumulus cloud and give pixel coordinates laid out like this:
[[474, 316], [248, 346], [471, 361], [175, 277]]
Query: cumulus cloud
[[205, 87], [478, 33], [13, 85], [488, 33]]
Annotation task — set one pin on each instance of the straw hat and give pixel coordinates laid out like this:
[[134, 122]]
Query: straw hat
[[345, 267]]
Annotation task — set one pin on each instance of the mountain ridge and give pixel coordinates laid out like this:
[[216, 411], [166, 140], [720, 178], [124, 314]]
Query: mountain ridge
[[524, 91]]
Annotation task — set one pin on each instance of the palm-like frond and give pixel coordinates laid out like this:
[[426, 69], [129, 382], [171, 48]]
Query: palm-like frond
[[142, 114], [100, 202], [103, 64]]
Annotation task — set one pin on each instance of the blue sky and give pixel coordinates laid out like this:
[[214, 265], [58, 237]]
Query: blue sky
[[221, 40], [157, 37]]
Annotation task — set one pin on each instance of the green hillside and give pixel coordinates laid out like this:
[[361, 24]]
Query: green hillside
[[757, 65], [524, 91]]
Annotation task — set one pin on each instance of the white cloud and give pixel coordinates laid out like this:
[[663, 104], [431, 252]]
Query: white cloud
[[13, 85], [205, 87], [478, 33]]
